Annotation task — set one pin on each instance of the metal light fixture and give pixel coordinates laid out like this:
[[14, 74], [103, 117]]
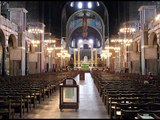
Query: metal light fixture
[[49, 49], [127, 30], [35, 42], [35, 30], [105, 54], [157, 17]]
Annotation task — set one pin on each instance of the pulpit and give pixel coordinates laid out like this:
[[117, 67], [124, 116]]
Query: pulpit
[[69, 94]]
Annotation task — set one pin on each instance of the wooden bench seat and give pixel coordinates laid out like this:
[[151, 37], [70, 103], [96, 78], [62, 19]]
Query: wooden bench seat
[[5, 110]]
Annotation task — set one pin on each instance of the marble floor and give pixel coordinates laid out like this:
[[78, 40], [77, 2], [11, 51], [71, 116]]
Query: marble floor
[[90, 106]]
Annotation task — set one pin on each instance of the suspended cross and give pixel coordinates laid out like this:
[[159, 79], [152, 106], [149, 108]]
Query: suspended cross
[[84, 22]]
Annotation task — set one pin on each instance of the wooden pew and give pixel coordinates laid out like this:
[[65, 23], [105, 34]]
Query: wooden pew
[[5, 110]]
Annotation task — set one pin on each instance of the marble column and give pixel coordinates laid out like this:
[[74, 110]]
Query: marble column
[[143, 61], [78, 56], [147, 13], [74, 58], [96, 58], [92, 57], [53, 59]]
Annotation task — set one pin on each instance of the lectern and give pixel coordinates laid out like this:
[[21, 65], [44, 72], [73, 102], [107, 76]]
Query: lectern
[[69, 94]]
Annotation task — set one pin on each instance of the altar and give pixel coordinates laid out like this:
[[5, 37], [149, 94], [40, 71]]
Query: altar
[[85, 63], [85, 66]]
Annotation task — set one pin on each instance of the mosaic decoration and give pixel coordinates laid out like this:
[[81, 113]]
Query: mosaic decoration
[[85, 19]]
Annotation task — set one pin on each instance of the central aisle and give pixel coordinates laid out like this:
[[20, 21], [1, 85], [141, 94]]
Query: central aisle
[[90, 105]]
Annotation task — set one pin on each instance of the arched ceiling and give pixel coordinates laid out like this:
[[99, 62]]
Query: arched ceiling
[[92, 34]]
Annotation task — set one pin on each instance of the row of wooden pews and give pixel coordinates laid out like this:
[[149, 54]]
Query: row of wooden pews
[[126, 95], [21, 94]]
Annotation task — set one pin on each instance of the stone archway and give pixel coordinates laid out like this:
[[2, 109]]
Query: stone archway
[[85, 52], [11, 63], [2, 53], [152, 65], [68, 18], [153, 39], [88, 20], [92, 24]]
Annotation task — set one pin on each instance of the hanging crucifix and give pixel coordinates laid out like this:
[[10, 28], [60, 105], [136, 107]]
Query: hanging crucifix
[[84, 22]]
